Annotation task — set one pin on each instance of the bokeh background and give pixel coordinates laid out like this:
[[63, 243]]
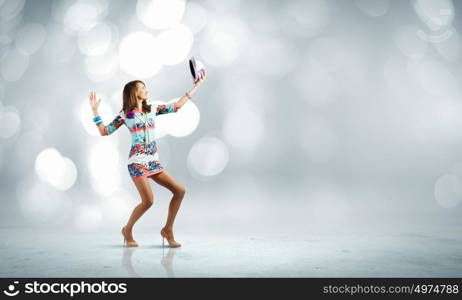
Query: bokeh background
[[315, 115]]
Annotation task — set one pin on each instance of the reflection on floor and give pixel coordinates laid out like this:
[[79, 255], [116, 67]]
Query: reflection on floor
[[53, 253]]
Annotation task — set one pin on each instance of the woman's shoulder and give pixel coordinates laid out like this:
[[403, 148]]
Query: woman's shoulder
[[122, 114]]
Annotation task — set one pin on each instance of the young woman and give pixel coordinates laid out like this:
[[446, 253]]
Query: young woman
[[143, 159]]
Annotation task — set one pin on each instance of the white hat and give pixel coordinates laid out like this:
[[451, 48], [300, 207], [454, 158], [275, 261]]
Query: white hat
[[196, 68]]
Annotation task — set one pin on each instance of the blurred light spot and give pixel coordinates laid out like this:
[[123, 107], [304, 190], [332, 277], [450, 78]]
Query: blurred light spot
[[252, 92], [13, 64], [69, 177], [329, 52], [446, 119], [88, 218], [102, 67], [220, 42], [59, 47], [263, 20], [228, 7], [97, 40], [182, 123], [11, 120], [5, 42], [60, 172], [30, 38], [25, 156], [318, 86], [195, 17], [160, 14], [435, 14], [207, 157], [83, 15], [175, 43], [450, 48], [59, 8], [317, 139], [38, 118], [437, 37], [457, 170], [85, 114], [139, 55], [434, 77], [373, 8], [340, 57], [448, 191], [39, 202], [277, 60], [277, 151], [225, 37], [10, 9], [310, 17], [9, 26], [117, 97], [244, 129], [104, 167], [408, 41], [396, 77]]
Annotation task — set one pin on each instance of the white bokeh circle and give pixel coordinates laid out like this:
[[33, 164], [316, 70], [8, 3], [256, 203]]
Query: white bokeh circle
[[139, 55], [208, 157]]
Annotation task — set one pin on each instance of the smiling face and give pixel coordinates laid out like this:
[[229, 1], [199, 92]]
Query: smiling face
[[141, 91], [135, 92]]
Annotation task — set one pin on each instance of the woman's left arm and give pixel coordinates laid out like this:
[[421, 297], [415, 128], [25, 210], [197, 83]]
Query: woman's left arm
[[180, 102]]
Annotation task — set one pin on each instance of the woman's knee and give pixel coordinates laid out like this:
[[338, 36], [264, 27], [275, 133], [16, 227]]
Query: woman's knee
[[180, 191], [147, 201]]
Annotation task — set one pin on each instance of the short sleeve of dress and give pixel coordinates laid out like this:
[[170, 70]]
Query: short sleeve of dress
[[166, 108], [115, 124]]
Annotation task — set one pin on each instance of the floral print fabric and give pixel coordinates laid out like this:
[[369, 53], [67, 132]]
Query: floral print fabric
[[143, 157]]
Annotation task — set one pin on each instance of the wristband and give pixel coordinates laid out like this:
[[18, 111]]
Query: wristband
[[98, 123], [96, 119]]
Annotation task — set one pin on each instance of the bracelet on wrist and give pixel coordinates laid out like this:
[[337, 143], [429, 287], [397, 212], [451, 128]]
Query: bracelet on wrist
[[96, 119]]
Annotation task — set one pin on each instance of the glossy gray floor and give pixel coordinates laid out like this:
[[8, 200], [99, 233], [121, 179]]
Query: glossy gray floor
[[365, 252]]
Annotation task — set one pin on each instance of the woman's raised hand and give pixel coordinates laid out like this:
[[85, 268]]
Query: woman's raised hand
[[93, 102], [202, 76]]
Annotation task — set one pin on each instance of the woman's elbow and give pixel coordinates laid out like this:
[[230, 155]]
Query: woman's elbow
[[104, 132]]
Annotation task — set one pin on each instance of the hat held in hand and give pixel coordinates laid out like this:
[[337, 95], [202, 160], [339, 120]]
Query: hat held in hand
[[196, 68]]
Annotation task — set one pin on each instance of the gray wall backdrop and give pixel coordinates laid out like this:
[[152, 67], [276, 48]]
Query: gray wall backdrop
[[315, 115]]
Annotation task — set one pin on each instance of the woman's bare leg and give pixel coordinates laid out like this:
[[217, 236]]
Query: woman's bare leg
[[147, 199], [166, 180]]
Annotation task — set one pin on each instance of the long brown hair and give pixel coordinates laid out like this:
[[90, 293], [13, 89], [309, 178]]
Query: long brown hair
[[129, 97]]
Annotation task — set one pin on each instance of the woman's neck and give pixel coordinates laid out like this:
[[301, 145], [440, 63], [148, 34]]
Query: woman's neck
[[139, 105]]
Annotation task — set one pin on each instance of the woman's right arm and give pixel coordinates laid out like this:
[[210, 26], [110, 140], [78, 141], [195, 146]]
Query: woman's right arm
[[101, 126]]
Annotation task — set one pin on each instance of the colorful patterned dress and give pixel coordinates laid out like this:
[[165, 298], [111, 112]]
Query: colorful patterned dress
[[143, 158]]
